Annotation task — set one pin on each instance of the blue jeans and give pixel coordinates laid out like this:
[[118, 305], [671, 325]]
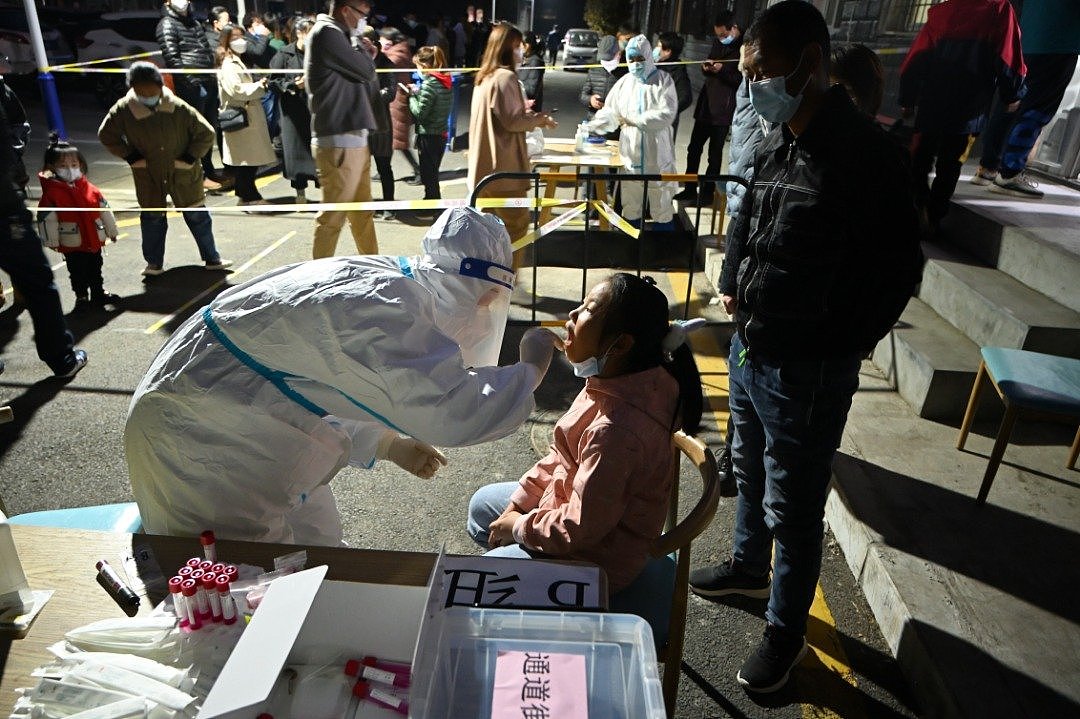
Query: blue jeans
[[788, 419], [21, 257], [154, 225], [484, 508]]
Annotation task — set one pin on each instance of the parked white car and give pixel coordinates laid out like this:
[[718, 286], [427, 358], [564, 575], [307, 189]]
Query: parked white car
[[15, 43], [118, 34], [579, 47]]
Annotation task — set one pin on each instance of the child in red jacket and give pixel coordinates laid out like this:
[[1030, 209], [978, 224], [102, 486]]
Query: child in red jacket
[[78, 236]]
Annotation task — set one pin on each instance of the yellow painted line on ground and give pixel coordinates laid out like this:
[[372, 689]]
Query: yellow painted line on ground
[[821, 631], [264, 181], [197, 298], [132, 221]]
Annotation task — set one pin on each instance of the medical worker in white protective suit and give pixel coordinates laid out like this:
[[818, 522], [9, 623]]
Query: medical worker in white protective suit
[[258, 400], [644, 103]]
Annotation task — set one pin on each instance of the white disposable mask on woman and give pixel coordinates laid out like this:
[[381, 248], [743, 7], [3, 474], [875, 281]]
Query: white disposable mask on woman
[[180, 6], [238, 46]]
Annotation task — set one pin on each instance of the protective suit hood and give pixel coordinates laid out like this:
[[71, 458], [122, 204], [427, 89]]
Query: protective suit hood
[[640, 47], [466, 265]]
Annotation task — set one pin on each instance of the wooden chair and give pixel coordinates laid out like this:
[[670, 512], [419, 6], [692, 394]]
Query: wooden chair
[[659, 595], [1032, 383]]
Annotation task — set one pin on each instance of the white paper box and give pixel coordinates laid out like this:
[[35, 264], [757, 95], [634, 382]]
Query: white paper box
[[305, 620]]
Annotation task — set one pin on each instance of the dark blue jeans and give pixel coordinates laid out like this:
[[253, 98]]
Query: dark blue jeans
[[154, 225], [21, 257], [788, 418]]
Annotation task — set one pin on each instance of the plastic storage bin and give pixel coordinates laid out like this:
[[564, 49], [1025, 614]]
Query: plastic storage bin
[[454, 674]]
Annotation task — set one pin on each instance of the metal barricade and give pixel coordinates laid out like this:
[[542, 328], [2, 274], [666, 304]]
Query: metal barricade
[[594, 247]]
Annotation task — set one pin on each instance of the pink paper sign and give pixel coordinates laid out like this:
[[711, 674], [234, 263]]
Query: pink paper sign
[[539, 685]]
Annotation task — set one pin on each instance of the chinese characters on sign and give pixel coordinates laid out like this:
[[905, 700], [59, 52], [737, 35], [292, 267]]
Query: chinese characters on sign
[[510, 583], [539, 685]]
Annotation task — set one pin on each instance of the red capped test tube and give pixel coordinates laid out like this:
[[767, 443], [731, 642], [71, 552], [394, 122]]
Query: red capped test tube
[[380, 697], [185, 571], [232, 572], [194, 562], [228, 606], [396, 667], [356, 668], [189, 590], [176, 591], [202, 602], [209, 582], [218, 568], [209, 545]]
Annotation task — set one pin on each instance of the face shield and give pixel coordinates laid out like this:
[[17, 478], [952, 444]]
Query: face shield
[[471, 281]]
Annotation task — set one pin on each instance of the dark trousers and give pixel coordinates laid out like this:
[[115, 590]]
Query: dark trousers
[[1009, 136], [204, 98], [942, 152], [84, 269], [411, 159], [21, 257], [386, 176], [245, 183], [431, 149], [714, 135]]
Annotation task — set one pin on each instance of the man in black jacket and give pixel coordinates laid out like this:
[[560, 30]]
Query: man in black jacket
[[600, 80], [829, 246], [23, 259], [715, 107], [184, 47]]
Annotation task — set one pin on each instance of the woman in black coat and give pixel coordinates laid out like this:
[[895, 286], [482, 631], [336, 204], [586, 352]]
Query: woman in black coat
[[295, 116]]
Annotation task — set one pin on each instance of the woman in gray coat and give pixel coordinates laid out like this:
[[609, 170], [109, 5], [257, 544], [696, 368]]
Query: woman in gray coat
[[295, 115]]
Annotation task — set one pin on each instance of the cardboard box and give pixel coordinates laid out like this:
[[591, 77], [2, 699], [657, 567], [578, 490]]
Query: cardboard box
[[305, 620]]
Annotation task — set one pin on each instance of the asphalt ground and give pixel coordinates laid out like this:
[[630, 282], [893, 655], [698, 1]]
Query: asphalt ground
[[65, 446]]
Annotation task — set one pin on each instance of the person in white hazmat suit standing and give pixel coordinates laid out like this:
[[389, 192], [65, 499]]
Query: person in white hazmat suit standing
[[258, 400], [644, 103]]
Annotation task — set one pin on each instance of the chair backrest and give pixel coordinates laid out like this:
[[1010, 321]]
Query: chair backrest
[[677, 536]]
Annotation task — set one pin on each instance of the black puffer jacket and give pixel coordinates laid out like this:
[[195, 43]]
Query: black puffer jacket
[[598, 82], [829, 238], [184, 46]]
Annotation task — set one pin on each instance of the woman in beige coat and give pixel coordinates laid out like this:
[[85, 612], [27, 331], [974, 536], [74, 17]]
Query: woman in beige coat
[[498, 124], [248, 148]]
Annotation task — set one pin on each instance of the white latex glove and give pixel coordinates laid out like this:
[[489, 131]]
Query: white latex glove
[[410, 454], [537, 346]]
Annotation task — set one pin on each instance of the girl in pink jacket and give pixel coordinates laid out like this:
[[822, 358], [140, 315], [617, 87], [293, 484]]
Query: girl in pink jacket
[[601, 493]]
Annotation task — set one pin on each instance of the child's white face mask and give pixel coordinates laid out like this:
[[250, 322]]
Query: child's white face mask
[[68, 174]]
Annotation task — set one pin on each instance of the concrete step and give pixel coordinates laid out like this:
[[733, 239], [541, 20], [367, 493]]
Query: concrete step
[[1043, 254], [993, 309], [929, 362]]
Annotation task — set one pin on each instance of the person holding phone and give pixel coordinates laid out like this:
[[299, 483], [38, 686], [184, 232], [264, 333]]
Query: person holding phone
[[715, 107]]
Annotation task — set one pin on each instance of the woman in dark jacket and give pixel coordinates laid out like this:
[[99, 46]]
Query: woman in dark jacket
[[531, 71], [396, 48], [599, 81], [296, 118], [381, 140]]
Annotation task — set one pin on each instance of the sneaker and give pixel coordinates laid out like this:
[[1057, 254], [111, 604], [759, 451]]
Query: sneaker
[[153, 271], [1019, 186], [414, 181], [724, 579], [78, 361], [983, 177], [220, 264], [81, 304], [687, 195], [211, 185], [728, 487], [105, 298], [384, 215], [768, 668]]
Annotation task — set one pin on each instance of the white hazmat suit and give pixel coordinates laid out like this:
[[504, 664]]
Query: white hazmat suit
[[257, 401], [644, 103]]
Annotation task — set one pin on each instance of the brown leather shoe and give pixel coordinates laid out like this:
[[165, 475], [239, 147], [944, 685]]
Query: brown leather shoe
[[210, 185]]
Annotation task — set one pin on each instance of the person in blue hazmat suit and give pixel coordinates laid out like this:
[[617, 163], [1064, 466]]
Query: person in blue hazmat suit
[[258, 400], [644, 104]]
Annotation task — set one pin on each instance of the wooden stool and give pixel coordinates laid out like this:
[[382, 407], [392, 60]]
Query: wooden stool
[[1036, 384]]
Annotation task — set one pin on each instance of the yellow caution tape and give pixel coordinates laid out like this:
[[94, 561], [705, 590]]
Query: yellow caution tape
[[123, 58], [483, 203], [606, 210], [549, 227]]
